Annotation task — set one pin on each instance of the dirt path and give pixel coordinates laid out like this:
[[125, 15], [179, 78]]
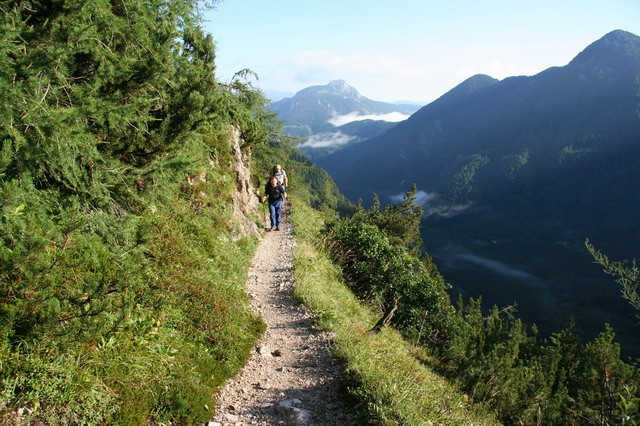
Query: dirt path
[[290, 378]]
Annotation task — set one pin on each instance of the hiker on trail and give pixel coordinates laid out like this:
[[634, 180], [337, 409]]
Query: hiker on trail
[[276, 194], [281, 175]]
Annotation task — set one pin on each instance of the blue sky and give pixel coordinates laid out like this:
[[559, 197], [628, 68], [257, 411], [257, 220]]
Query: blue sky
[[405, 49]]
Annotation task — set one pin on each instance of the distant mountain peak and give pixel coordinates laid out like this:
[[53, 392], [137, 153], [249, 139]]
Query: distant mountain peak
[[615, 40], [314, 110], [335, 88], [470, 85], [613, 49], [478, 81], [619, 36], [339, 84], [340, 87]]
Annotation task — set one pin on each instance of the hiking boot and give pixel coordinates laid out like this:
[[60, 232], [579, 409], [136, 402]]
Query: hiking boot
[[277, 228]]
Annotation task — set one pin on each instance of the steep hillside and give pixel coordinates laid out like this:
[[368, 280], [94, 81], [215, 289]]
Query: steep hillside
[[128, 218]]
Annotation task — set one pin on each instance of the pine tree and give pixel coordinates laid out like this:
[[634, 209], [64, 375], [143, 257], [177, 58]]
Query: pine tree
[[626, 274]]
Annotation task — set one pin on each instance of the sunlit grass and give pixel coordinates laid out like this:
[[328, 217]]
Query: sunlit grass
[[394, 386]]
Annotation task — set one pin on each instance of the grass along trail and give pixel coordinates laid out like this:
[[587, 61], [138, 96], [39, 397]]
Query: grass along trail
[[291, 378]]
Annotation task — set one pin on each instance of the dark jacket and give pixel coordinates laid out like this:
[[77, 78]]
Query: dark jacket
[[275, 193]]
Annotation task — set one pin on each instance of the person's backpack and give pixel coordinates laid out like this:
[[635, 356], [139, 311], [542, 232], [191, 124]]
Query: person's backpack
[[280, 177]]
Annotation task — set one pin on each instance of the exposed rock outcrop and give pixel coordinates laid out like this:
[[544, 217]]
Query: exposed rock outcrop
[[245, 199]]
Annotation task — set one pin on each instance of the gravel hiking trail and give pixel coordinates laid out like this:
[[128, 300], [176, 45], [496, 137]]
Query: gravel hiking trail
[[291, 378]]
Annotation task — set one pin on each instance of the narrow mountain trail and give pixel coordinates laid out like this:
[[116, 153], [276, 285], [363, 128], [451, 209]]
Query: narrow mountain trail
[[290, 378]]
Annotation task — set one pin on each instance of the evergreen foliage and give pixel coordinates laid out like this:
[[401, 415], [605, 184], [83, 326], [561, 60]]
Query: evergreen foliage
[[462, 184], [493, 356], [122, 282], [377, 250], [625, 272], [401, 222]]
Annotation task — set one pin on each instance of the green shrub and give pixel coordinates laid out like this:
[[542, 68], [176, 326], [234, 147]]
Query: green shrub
[[383, 273], [121, 277]]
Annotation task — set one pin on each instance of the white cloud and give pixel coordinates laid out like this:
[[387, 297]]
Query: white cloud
[[422, 198], [340, 120], [393, 76], [422, 73], [497, 267], [446, 211], [383, 64], [327, 140]]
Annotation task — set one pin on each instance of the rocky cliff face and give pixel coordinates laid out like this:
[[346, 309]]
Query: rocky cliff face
[[244, 201]]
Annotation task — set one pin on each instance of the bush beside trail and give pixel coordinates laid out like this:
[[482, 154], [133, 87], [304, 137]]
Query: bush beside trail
[[122, 274]]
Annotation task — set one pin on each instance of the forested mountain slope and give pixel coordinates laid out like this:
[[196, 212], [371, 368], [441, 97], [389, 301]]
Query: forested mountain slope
[[485, 140], [515, 175]]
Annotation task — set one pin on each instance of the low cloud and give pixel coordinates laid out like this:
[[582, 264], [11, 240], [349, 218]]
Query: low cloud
[[497, 267], [327, 140], [446, 210], [422, 198], [435, 208], [340, 120]]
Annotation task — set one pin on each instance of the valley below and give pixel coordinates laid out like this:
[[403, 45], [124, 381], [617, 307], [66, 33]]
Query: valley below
[[549, 280]]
